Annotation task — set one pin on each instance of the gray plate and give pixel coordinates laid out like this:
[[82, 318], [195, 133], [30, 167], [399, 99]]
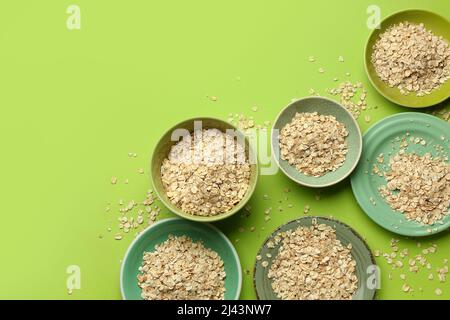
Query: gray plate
[[360, 252]]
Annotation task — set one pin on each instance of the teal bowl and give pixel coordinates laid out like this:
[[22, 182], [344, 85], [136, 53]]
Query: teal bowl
[[322, 106], [212, 238]]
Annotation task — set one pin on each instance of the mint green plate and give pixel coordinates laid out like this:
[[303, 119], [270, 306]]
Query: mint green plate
[[159, 232], [162, 149], [365, 263], [379, 139], [322, 106], [439, 26]]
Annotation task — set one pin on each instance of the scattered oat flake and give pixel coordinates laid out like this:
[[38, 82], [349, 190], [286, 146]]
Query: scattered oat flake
[[406, 288], [352, 97]]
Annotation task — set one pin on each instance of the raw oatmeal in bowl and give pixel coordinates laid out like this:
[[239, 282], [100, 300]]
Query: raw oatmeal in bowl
[[208, 174], [316, 141], [201, 179], [313, 143]]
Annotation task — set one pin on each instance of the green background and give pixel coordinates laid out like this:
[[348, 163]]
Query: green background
[[74, 103]]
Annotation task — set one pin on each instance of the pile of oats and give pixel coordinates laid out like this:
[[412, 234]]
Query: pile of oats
[[418, 187], [412, 58], [312, 264], [180, 269], [207, 173], [315, 144]]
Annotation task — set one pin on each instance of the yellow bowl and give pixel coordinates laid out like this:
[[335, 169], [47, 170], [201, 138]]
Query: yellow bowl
[[439, 26], [162, 150]]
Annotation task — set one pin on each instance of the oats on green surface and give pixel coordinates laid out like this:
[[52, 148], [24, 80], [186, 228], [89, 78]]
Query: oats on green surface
[[349, 98]]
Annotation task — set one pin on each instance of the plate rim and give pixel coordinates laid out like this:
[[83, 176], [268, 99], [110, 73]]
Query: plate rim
[[144, 232], [366, 67], [422, 233]]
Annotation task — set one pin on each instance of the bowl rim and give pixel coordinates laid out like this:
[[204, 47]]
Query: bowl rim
[[329, 183], [270, 236], [366, 67], [221, 216], [163, 221]]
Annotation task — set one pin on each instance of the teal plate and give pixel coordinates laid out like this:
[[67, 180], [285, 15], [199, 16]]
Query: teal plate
[[322, 106], [380, 138], [365, 263], [159, 232]]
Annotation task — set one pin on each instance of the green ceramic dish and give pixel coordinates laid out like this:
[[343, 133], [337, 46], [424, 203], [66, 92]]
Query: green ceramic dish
[[162, 150], [159, 232], [380, 138], [439, 26], [323, 106], [360, 252]]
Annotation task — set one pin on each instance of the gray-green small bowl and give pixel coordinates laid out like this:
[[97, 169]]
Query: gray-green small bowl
[[366, 269], [161, 152], [322, 106]]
